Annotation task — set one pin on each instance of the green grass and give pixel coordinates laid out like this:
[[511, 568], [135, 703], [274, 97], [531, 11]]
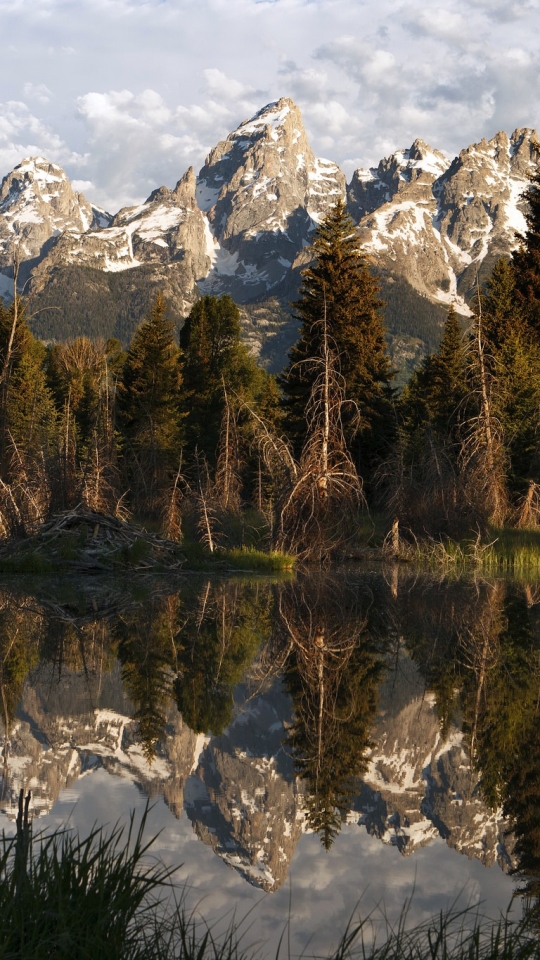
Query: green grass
[[504, 550], [513, 551], [248, 558], [103, 898], [199, 559]]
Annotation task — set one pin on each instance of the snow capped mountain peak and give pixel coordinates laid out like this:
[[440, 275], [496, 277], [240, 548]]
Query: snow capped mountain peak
[[38, 203], [271, 117]]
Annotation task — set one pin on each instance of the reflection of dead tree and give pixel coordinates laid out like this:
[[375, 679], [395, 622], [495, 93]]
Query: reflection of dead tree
[[332, 677], [479, 647], [318, 512]]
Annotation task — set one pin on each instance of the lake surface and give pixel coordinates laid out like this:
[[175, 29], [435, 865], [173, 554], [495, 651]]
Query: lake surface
[[312, 747]]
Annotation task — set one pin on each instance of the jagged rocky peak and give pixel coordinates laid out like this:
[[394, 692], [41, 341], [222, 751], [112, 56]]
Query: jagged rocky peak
[[37, 202], [480, 196], [258, 177], [369, 189], [263, 190], [183, 193]]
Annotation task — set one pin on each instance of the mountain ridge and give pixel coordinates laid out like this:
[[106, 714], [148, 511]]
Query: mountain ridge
[[244, 224]]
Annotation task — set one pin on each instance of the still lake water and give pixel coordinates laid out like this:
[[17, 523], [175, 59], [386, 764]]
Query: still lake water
[[312, 746]]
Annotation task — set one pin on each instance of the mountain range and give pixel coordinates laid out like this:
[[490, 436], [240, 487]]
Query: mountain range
[[429, 224]]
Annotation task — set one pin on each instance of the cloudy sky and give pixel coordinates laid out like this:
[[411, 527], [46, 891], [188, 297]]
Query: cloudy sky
[[126, 94]]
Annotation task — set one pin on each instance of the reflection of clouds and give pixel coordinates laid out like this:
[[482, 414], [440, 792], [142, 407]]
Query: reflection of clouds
[[325, 888], [380, 73]]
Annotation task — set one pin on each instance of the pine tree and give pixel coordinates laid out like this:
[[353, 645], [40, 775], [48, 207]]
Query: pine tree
[[213, 358], [501, 313], [149, 398], [526, 259], [339, 287], [436, 393]]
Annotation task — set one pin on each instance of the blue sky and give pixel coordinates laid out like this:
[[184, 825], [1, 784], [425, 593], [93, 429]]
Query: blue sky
[[126, 94]]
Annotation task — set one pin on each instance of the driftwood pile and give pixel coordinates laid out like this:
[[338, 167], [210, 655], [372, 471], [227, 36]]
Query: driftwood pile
[[84, 540]]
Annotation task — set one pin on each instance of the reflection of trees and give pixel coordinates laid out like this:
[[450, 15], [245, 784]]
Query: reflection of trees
[[147, 653], [480, 647], [332, 672], [21, 631], [214, 649]]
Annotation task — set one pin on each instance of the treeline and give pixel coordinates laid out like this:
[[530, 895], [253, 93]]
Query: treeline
[[188, 431]]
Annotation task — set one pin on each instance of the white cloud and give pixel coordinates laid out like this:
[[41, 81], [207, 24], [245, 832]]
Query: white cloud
[[128, 93], [38, 92]]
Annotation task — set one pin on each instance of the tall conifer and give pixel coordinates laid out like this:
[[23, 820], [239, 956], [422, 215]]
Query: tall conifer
[[526, 259], [339, 287], [149, 398]]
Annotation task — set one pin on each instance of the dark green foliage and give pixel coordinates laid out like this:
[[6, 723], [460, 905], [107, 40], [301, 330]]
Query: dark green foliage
[[516, 403], [214, 650], [437, 391], [149, 404], [407, 312], [501, 314], [213, 358], [340, 288], [64, 897], [146, 653], [526, 260], [332, 672]]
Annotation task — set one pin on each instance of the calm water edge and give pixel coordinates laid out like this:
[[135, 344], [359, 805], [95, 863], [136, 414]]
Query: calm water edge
[[313, 746]]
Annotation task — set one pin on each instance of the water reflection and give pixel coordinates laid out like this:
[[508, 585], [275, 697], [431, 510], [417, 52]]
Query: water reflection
[[403, 704]]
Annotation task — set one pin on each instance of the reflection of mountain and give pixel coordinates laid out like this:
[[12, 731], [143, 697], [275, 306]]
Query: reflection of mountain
[[240, 792], [419, 786], [244, 801], [65, 730]]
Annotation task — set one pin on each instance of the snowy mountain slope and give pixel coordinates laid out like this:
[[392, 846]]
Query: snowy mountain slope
[[437, 223], [167, 232], [264, 190]]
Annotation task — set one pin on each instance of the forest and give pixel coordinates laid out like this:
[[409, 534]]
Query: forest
[[185, 434]]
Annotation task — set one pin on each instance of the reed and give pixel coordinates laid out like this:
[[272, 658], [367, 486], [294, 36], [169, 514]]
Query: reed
[[102, 897]]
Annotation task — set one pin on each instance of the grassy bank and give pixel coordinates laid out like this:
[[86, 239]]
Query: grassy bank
[[102, 897], [499, 551]]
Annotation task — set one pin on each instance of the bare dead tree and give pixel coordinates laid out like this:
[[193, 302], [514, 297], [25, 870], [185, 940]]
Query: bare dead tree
[[482, 459], [172, 514], [319, 510], [206, 508]]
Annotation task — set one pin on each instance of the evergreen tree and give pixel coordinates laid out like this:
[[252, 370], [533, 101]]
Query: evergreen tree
[[437, 391], [214, 357], [501, 313], [149, 398], [526, 259], [339, 287]]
